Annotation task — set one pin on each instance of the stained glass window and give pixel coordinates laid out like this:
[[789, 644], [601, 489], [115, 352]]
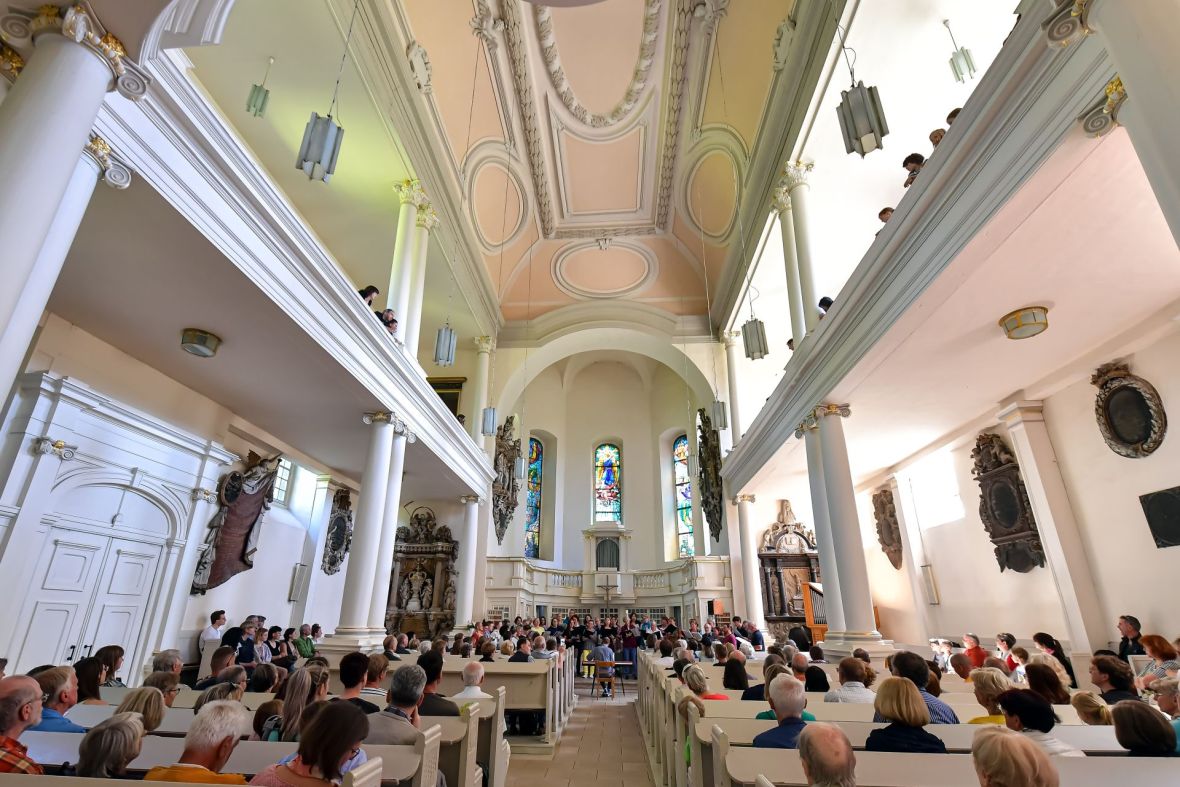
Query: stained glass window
[[532, 524], [608, 483], [682, 496]]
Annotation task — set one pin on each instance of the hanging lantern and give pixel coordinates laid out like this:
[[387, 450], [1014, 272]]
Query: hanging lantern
[[754, 339], [259, 95], [720, 415], [862, 120], [962, 64], [488, 425], [444, 346], [320, 148]]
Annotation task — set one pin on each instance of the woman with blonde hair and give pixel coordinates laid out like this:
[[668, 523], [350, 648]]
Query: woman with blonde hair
[[1003, 758], [698, 684], [110, 746], [989, 683], [148, 702], [899, 703], [1091, 708], [305, 687], [220, 691], [507, 648]]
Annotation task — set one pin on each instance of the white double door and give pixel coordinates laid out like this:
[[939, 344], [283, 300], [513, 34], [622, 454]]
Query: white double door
[[88, 590]]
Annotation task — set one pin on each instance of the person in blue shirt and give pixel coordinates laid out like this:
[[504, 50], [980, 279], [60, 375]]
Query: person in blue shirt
[[603, 651], [60, 687], [787, 700], [913, 667]]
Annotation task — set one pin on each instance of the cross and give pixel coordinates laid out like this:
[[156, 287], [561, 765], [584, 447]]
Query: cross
[[606, 589]]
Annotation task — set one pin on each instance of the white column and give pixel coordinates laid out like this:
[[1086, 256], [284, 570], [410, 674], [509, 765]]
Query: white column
[[401, 277], [833, 603], [425, 222], [366, 533], [731, 362], [854, 574], [1141, 38], [393, 504], [96, 161], [750, 569], [782, 204], [795, 180], [484, 345], [465, 585], [1064, 551]]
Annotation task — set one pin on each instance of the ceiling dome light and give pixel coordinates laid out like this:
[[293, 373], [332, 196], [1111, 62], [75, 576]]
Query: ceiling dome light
[[1026, 322], [202, 344]]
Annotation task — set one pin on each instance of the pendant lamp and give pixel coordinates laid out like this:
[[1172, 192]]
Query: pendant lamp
[[259, 95], [754, 339], [321, 139], [488, 425]]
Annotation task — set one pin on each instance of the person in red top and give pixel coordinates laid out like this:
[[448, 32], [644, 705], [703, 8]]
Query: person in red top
[[1004, 644], [20, 708], [972, 650]]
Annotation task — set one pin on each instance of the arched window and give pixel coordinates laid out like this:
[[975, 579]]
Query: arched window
[[532, 522], [682, 496], [608, 483]]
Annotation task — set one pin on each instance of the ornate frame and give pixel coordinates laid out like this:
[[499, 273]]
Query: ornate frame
[[888, 526], [1112, 378], [1004, 506]]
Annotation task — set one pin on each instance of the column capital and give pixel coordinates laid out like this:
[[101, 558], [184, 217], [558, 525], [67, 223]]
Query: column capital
[[808, 424], [841, 410], [47, 445], [409, 192], [1067, 23], [484, 344], [737, 499], [469, 499], [796, 174], [79, 24], [115, 173], [377, 417], [402, 429], [11, 63], [781, 201], [202, 495], [1101, 117], [729, 338], [427, 218]]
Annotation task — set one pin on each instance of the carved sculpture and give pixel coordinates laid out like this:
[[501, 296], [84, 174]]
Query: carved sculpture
[[709, 454], [339, 539], [888, 527], [1129, 410], [232, 537], [424, 562], [787, 535], [1004, 506], [505, 486]]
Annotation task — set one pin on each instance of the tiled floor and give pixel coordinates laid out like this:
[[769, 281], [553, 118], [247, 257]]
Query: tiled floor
[[602, 746]]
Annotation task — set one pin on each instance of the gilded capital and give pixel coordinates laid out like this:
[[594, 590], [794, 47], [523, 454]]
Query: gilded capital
[[410, 191], [377, 417], [402, 429], [781, 202], [840, 410], [729, 338], [737, 499], [202, 495], [468, 499], [796, 174], [47, 445], [808, 424], [484, 344], [11, 63], [427, 218], [115, 173], [1067, 23]]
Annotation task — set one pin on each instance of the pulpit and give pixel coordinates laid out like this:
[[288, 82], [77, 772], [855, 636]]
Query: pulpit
[[788, 564]]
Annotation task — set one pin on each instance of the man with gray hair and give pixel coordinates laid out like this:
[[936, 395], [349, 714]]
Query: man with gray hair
[[208, 744], [1167, 696], [787, 700], [20, 708], [472, 680], [167, 661], [826, 754], [398, 724], [60, 687]]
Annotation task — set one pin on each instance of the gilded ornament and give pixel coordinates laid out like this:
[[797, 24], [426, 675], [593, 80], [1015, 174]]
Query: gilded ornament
[[112, 46], [11, 63], [100, 150]]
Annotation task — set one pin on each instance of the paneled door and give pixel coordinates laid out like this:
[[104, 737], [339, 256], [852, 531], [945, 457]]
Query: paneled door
[[121, 597]]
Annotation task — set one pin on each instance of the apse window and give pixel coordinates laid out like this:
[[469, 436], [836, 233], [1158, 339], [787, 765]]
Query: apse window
[[934, 487], [608, 483], [682, 497], [281, 492], [532, 524]]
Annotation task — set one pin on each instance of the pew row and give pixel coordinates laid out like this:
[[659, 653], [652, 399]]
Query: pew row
[[186, 698]]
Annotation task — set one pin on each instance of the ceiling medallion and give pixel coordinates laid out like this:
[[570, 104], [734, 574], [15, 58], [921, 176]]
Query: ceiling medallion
[[572, 286]]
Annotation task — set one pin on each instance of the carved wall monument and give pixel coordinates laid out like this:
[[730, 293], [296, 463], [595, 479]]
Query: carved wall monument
[[787, 563], [709, 455], [888, 528], [422, 586], [232, 538], [339, 539], [505, 486], [1004, 506], [1130, 413]]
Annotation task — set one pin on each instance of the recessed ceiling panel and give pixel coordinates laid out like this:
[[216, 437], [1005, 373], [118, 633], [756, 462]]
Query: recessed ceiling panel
[[602, 176]]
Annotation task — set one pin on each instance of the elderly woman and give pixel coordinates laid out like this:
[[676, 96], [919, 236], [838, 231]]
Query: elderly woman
[[698, 684], [900, 704], [1003, 758], [148, 702], [1142, 730], [989, 683], [110, 746], [1163, 658], [1091, 708], [167, 682], [1167, 695]]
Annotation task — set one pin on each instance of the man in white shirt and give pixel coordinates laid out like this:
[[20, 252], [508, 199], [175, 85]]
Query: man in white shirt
[[472, 680], [213, 630], [852, 684], [544, 648]]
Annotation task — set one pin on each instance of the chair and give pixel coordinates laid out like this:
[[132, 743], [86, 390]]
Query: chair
[[600, 677]]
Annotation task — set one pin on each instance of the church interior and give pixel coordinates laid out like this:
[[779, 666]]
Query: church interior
[[612, 331]]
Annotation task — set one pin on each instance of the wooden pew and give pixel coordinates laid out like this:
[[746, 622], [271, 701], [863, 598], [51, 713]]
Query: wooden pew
[[491, 749], [186, 698], [457, 751], [529, 686]]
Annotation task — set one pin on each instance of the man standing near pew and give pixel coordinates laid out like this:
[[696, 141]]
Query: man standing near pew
[[787, 700], [59, 686], [20, 708]]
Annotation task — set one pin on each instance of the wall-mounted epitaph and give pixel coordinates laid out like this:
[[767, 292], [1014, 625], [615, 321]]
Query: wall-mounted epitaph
[[234, 531], [709, 454], [1129, 410], [888, 526], [505, 486], [339, 538], [1004, 506]]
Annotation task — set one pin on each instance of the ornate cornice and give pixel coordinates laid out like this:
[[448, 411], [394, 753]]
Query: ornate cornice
[[467, 499], [781, 202], [11, 63], [674, 100], [483, 25], [115, 173], [743, 499], [639, 78], [729, 338]]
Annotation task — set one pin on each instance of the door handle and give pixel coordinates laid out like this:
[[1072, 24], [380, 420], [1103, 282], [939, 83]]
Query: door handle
[[71, 656], [88, 647]]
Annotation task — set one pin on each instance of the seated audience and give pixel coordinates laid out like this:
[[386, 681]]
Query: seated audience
[[799, 665], [758, 693], [720, 654], [787, 700], [1167, 697], [1130, 645], [166, 661], [267, 717], [208, 744], [60, 687], [305, 643], [148, 702], [110, 746], [817, 654], [20, 709], [167, 682], [507, 648], [1043, 680], [524, 653], [487, 651], [816, 680], [1004, 644], [1021, 657], [1048, 644], [218, 693], [989, 683], [1163, 660], [933, 680], [473, 675], [221, 658], [961, 665], [353, 669], [863, 655], [264, 680], [246, 653], [954, 113], [972, 651], [734, 677], [1142, 730], [389, 644], [368, 294], [112, 657], [851, 674], [91, 673], [913, 165], [433, 703], [1114, 679], [826, 755], [1091, 708], [698, 684], [914, 668], [899, 703], [234, 675], [1028, 713], [398, 724], [1003, 758], [799, 637], [304, 687], [375, 677]]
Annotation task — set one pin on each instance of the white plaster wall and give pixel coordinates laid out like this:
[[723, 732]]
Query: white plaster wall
[[1130, 572], [891, 590]]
